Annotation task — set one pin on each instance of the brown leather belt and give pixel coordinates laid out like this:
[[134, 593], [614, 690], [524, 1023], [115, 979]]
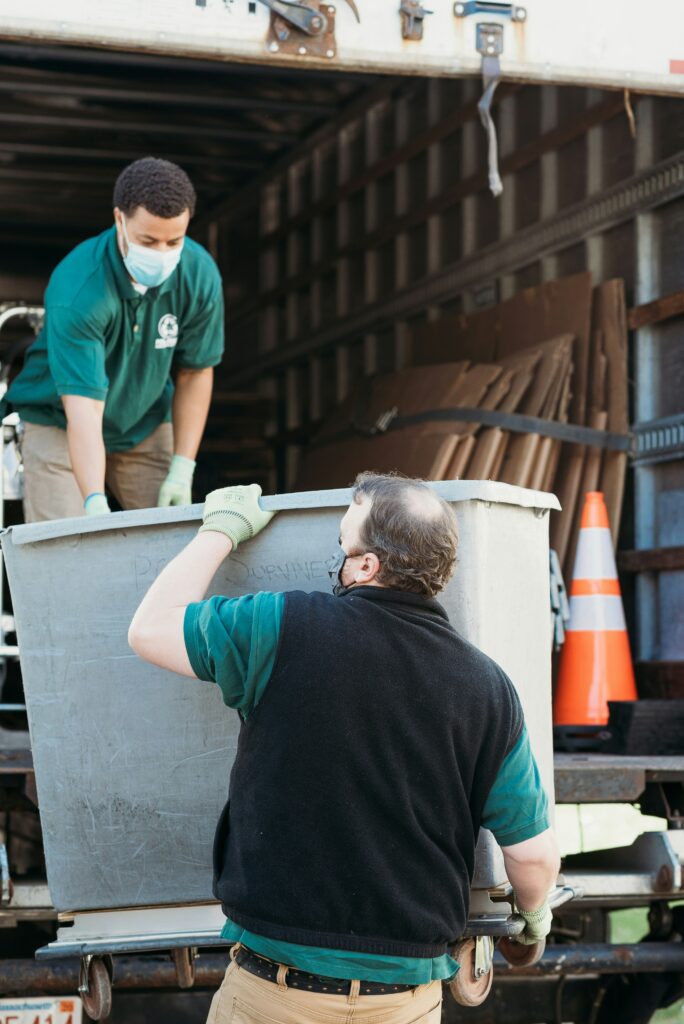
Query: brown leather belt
[[305, 982]]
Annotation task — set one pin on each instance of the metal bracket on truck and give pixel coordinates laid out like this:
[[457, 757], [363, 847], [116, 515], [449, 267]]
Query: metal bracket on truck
[[306, 28], [503, 10], [413, 15]]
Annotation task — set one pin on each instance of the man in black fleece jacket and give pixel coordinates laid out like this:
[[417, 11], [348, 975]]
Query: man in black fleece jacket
[[375, 742]]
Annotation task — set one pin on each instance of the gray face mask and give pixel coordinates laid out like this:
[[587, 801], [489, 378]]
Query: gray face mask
[[335, 568]]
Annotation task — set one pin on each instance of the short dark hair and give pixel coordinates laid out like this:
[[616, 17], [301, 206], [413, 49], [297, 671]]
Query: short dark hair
[[416, 548], [162, 188]]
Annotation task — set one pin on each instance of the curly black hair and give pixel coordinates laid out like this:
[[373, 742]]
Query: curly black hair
[[162, 188]]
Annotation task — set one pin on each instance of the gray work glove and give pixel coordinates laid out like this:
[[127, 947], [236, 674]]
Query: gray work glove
[[537, 925], [235, 511], [177, 487], [96, 504]]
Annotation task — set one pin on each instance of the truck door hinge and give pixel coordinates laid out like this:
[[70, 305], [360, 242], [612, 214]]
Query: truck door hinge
[[303, 27], [412, 17], [298, 16]]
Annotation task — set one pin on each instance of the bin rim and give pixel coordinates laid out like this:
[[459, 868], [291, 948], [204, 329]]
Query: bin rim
[[490, 491]]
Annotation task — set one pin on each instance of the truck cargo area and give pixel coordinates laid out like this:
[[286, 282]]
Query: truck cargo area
[[351, 215]]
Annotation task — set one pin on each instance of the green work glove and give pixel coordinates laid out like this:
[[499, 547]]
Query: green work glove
[[96, 504], [177, 488], [537, 925], [235, 511]]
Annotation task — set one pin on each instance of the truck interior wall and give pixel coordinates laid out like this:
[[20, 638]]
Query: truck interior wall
[[353, 212], [347, 276], [398, 215]]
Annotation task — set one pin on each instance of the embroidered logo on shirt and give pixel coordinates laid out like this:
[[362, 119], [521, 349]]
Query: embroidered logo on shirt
[[168, 331]]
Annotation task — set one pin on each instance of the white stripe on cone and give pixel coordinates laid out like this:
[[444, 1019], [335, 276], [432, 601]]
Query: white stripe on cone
[[596, 613], [595, 559]]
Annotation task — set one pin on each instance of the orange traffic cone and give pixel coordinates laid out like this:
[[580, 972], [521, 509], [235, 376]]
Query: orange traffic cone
[[596, 664]]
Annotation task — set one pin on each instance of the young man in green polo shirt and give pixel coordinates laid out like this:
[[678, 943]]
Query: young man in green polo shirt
[[96, 395], [375, 742]]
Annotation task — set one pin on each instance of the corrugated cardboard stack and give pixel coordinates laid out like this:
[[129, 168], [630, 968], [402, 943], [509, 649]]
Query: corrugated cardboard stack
[[557, 352]]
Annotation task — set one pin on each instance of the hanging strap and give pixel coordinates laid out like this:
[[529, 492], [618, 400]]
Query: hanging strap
[[491, 76]]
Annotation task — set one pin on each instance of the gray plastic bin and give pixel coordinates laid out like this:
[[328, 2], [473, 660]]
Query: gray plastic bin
[[132, 762]]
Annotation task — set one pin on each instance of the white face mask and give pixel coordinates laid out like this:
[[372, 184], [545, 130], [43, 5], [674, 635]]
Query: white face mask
[[148, 266]]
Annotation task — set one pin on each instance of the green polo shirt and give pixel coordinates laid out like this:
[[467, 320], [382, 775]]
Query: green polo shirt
[[233, 642], [104, 340]]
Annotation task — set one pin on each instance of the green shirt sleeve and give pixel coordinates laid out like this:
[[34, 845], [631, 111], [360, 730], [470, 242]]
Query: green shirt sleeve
[[201, 340], [76, 354], [517, 807], [233, 642]]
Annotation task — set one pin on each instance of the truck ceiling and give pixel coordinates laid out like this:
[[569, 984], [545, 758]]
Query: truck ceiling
[[71, 119], [614, 43]]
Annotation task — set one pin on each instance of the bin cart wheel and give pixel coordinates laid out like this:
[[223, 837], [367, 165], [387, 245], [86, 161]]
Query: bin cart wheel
[[95, 986], [520, 955], [184, 962], [471, 985]]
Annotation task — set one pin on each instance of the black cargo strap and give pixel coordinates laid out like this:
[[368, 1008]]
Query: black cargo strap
[[570, 433]]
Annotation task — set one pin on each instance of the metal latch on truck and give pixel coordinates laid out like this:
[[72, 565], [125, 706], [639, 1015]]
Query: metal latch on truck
[[305, 28], [413, 15], [489, 42]]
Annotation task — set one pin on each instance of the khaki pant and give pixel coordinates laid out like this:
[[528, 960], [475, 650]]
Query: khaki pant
[[50, 489], [244, 998]]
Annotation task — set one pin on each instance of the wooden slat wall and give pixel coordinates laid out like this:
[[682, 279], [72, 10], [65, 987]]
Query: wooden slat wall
[[395, 194]]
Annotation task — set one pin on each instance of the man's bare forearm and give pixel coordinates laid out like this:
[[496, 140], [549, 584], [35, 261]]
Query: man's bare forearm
[[532, 868], [231, 515], [85, 442], [156, 632], [191, 402], [186, 578]]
